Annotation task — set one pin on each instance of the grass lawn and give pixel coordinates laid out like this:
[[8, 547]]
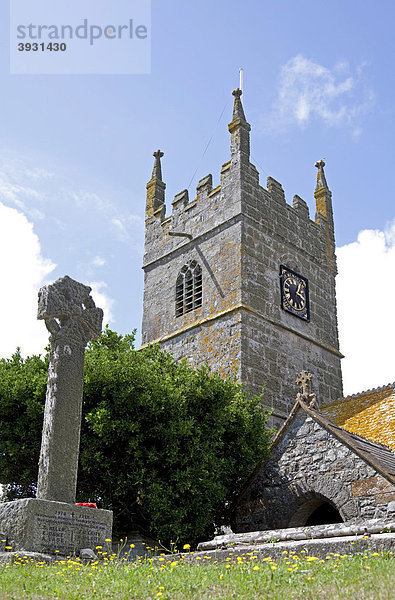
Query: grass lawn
[[359, 577]]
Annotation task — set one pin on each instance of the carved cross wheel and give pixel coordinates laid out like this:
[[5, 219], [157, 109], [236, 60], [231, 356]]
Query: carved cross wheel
[[68, 309]]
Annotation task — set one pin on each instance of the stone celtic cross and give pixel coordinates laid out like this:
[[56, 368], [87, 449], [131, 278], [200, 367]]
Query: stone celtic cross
[[73, 320], [304, 380]]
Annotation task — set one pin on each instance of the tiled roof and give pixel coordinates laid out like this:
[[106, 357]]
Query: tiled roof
[[376, 454], [370, 414]]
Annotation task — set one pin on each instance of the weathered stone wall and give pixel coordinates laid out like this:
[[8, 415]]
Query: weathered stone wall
[[218, 254], [272, 353], [215, 341], [306, 467]]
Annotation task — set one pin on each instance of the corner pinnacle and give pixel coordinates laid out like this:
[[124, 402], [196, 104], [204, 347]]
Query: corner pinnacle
[[321, 180], [157, 170], [238, 111], [155, 203]]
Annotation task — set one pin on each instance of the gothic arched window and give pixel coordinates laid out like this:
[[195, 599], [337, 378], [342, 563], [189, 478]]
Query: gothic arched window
[[188, 288]]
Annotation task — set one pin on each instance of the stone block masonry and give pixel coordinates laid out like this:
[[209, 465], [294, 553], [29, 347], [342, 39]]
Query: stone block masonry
[[239, 233]]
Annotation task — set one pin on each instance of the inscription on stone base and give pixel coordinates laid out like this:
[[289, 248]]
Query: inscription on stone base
[[47, 526], [62, 531]]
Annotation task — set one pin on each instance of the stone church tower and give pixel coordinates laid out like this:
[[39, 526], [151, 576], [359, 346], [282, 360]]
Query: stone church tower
[[241, 279]]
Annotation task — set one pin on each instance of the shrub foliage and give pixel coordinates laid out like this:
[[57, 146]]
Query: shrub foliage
[[166, 447]]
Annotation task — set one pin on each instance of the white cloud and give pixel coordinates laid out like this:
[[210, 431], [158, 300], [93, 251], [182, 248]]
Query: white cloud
[[42, 194], [39, 173], [366, 292], [21, 196], [102, 300], [308, 91], [122, 225], [99, 261], [23, 270], [126, 225]]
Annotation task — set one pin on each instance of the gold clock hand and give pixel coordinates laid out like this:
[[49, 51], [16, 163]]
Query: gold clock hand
[[298, 293]]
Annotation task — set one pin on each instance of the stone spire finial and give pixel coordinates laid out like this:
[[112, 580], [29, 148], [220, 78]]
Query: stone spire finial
[[321, 181], [157, 170], [324, 214], [240, 133], [304, 380], [155, 203], [238, 111]]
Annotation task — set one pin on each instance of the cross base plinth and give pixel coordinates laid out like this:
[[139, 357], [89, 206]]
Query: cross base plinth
[[50, 527]]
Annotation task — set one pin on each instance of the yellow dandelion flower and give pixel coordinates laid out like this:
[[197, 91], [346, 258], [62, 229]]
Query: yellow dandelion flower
[[186, 546]]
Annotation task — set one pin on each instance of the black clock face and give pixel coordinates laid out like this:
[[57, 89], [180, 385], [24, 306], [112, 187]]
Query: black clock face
[[294, 293]]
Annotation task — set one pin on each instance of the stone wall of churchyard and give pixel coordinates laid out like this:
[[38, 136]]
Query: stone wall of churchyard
[[306, 467]]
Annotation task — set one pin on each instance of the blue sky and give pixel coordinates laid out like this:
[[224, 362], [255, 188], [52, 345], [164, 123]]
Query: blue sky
[[76, 153]]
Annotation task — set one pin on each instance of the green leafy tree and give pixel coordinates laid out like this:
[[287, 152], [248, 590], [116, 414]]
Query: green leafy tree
[[166, 447], [22, 396]]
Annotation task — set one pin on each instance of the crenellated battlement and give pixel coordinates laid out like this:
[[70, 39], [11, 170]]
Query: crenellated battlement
[[193, 217]]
